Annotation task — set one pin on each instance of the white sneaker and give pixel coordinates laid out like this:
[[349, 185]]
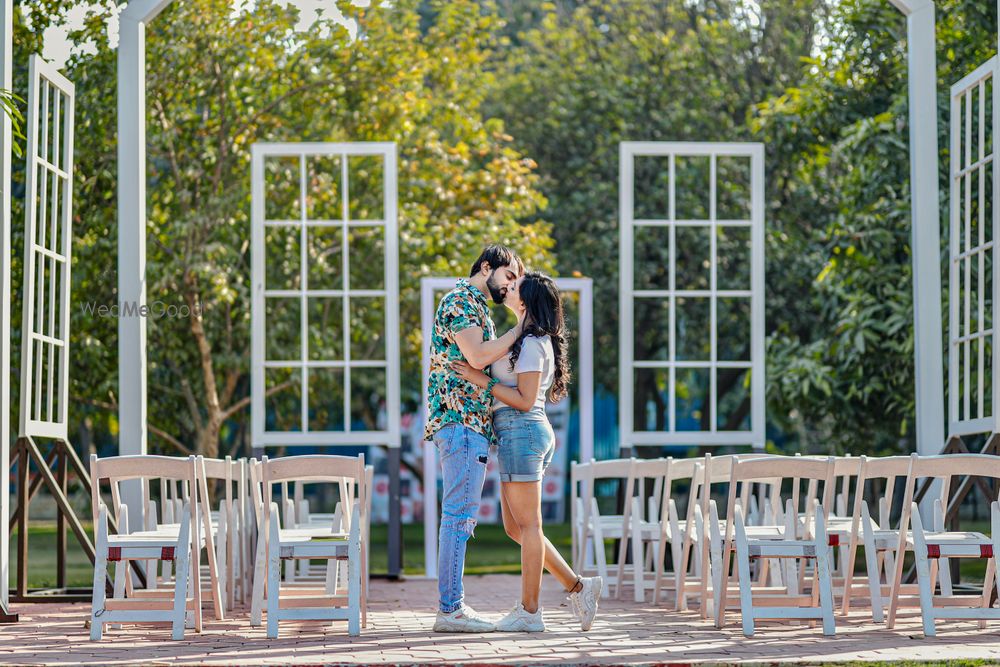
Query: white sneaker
[[585, 600], [519, 620], [463, 619]]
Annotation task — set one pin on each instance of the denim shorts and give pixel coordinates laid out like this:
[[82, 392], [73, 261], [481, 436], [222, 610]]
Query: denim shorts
[[527, 444]]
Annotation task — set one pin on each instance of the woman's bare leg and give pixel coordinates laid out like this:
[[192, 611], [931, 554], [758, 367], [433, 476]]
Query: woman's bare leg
[[554, 562], [524, 501]]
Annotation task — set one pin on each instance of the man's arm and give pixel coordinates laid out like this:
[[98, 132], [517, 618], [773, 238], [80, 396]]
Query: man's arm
[[481, 353]]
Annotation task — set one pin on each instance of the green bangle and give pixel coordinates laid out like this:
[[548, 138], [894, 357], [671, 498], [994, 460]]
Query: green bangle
[[492, 383]]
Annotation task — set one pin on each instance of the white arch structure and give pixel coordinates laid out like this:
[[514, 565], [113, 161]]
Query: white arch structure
[[429, 286], [132, 234]]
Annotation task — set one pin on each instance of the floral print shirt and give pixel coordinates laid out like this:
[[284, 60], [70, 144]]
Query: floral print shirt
[[450, 399]]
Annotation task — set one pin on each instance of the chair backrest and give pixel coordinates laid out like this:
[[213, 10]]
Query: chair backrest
[[795, 468], [890, 471], [644, 470], [145, 468], [318, 468], [944, 468], [719, 470]]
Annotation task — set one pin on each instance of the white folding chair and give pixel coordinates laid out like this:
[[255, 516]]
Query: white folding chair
[[680, 535], [931, 547], [293, 544], [598, 527], [717, 470], [181, 546], [739, 540], [878, 538], [642, 524], [226, 526]]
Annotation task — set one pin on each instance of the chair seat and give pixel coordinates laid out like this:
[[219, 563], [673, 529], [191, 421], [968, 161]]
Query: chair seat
[[307, 532]]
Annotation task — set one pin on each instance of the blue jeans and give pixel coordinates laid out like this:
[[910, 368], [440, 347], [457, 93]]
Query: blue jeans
[[463, 453]]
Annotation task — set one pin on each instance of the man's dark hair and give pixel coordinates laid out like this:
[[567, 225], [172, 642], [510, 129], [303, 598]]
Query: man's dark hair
[[497, 256]]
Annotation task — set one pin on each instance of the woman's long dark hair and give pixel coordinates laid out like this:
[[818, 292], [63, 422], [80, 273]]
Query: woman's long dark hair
[[544, 318]]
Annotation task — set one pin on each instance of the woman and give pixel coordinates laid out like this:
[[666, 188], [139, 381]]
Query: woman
[[535, 367]]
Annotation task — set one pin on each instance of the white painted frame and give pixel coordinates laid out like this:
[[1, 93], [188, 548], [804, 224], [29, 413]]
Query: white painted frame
[[964, 418], [6, 138], [628, 294], [925, 231], [47, 157], [429, 286], [390, 293]]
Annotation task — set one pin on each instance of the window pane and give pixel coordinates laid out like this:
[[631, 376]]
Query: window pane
[[732, 187], [693, 252], [733, 399], [733, 329], [692, 187], [326, 399], [652, 329], [324, 173], [282, 328], [693, 408], [282, 188], [367, 260], [651, 401], [732, 270], [368, 396], [693, 332], [326, 260], [365, 187], [651, 255], [651, 194], [326, 328], [367, 328], [283, 402], [282, 257]]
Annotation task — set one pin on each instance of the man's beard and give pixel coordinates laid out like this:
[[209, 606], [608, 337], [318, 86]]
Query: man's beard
[[497, 293]]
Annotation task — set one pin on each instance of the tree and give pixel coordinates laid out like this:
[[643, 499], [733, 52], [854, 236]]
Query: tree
[[216, 84], [586, 76], [840, 358]]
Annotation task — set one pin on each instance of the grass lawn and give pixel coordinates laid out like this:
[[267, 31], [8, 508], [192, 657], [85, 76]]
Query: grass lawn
[[489, 552]]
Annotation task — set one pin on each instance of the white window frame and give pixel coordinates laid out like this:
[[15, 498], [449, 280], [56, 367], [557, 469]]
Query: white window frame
[[754, 437], [429, 286], [390, 436], [964, 418], [46, 414]]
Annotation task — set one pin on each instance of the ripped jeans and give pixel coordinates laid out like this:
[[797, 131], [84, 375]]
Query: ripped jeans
[[463, 454]]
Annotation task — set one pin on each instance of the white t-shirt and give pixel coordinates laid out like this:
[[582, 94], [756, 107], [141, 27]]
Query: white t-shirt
[[536, 355]]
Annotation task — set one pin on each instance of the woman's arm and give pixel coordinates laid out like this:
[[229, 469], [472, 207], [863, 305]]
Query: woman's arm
[[521, 397]]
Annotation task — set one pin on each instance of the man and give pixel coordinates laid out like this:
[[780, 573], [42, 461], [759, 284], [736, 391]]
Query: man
[[459, 419]]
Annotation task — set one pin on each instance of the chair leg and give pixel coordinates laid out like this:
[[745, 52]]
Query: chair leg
[[100, 577], [638, 569], [180, 583], [354, 586], [121, 572], [923, 574], [743, 569], [823, 574], [259, 577], [273, 579], [874, 573]]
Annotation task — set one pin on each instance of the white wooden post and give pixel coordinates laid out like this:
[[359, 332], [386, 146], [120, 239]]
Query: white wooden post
[[6, 136], [925, 232]]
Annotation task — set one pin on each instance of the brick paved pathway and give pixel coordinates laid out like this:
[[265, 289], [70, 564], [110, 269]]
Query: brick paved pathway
[[399, 633]]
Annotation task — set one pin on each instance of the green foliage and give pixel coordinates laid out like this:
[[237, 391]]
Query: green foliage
[[576, 79], [217, 84], [840, 356]]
